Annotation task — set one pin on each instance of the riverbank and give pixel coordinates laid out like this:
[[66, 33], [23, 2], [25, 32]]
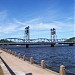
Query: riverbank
[[21, 67]]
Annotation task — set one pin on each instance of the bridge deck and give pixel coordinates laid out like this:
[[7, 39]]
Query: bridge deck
[[37, 43], [20, 67]]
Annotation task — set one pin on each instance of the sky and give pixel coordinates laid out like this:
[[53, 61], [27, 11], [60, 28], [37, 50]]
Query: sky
[[39, 15]]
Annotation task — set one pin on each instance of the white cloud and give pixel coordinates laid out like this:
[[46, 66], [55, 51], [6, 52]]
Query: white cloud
[[33, 21], [37, 24], [44, 26], [19, 22], [8, 28]]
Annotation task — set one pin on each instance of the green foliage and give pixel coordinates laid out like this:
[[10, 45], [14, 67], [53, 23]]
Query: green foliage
[[70, 39], [5, 41]]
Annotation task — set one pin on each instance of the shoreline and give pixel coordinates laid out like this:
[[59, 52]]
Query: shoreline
[[20, 63]]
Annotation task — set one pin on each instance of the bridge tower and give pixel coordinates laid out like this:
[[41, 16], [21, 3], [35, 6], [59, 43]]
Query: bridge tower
[[27, 34], [53, 35]]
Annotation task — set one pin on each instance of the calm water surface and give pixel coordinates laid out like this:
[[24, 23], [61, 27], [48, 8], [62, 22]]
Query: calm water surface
[[53, 56]]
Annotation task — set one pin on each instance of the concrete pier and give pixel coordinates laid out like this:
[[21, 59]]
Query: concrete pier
[[43, 64], [70, 44], [21, 67], [27, 45], [62, 70], [24, 57], [52, 44], [31, 60]]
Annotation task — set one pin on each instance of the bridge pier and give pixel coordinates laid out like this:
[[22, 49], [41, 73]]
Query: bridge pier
[[70, 44], [27, 45], [52, 45]]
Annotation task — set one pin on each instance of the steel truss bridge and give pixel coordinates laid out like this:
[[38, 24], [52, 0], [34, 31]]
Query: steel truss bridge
[[27, 44], [34, 40], [39, 41]]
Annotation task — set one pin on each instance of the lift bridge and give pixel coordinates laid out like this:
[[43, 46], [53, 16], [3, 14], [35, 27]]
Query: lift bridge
[[39, 41], [27, 37], [19, 40]]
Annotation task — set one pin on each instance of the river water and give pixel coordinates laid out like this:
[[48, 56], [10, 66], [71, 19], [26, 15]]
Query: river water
[[53, 56]]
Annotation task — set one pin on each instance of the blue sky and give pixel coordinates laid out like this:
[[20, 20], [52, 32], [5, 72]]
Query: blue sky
[[40, 15]]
